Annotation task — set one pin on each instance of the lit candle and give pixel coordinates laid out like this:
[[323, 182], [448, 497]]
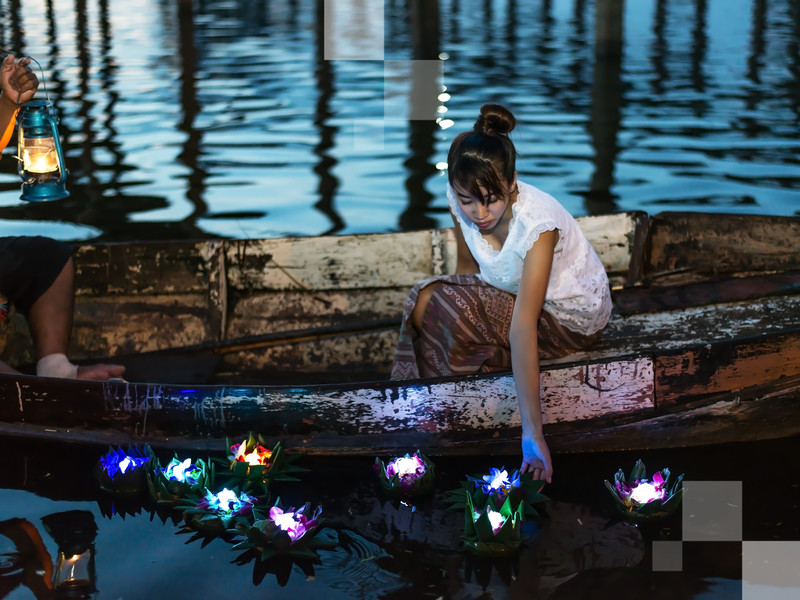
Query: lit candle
[[41, 158]]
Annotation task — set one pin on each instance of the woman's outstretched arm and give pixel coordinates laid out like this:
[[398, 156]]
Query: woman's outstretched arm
[[525, 354]]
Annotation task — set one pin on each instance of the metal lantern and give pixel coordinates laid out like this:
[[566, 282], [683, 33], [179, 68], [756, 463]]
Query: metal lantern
[[74, 531], [41, 161]]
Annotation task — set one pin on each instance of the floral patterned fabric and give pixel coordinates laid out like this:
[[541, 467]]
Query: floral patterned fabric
[[466, 329]]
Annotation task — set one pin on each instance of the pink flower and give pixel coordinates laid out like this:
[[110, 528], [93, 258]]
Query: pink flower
[[407, 468], [294, 522]]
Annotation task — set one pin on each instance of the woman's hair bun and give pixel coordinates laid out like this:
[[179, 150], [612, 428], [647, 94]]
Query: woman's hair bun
[[494, 120]]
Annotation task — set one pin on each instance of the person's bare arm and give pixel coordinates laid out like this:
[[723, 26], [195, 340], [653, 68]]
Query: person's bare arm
[[465, 262], [525, 354]]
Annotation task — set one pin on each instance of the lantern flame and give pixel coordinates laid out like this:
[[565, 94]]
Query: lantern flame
[[40, 158]]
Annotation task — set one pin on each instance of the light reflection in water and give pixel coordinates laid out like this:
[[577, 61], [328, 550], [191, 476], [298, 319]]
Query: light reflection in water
[[224, 119]]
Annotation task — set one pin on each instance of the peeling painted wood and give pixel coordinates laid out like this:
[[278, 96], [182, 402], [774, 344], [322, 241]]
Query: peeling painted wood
[[726, 367], [720, 422], [141, 415], [658, 298], [330, 263], [577, 392], [195, 292], [266, 307], [685, 246], [140, 269]]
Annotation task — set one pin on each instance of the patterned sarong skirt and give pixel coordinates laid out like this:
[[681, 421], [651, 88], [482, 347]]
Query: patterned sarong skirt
[[465, 329]]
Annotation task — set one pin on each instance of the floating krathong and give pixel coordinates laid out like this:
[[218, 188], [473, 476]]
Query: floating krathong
[[408, 475], [217, 513], [286, 532], [493, 533], [179, 479], [124, 472], [645, 498], [253, 465], [494, 488]]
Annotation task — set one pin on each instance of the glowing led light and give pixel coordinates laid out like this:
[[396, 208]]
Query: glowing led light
[[640, 497], [259, 455], [406, 466], [498, 481], [119, 462], [183, 471], [406, 474], [647, 492], [294, 522]]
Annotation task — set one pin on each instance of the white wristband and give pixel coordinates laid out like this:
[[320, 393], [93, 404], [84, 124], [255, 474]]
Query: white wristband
[[56, 365]]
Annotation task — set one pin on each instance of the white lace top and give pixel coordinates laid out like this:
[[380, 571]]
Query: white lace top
[[578, 294]]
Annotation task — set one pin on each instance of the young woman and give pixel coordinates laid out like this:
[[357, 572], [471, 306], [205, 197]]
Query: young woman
[[528, 284]]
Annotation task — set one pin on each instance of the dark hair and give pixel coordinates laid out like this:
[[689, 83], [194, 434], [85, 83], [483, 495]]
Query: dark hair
[[484, 157]]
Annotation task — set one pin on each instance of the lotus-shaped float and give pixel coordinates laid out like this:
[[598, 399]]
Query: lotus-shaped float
[[216, 513], [493, 533], [252, 465], [494, 488], [408, 475], [124, 471], [285, 532], [640, 498], [179, 479]]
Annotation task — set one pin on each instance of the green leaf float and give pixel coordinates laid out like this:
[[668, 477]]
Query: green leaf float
[[179, 479], [409, 475], [286, 532], [493, 533], [217, 513], [124, 471], [640, 498], [494, 488], [252, 465]]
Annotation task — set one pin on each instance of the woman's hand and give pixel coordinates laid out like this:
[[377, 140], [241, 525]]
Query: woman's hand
[[536, 458], [19, 83]]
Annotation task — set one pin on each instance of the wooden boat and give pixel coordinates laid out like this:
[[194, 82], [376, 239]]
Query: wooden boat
[[294, 338]]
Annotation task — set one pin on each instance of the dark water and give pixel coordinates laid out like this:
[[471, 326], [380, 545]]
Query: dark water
[[194, 119], [223, 118], [576, 548]]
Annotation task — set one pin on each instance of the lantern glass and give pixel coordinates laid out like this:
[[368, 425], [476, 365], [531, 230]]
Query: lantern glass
[[75, 572], [39, 156], [74, 531]]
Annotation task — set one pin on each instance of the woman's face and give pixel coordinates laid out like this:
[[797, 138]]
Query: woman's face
[[488, 211]]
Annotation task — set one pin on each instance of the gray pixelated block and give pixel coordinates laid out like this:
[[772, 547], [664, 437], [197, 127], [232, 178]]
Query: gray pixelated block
[[412, 89], [353, 29], [667, 556], [771, 570], [712, 511]]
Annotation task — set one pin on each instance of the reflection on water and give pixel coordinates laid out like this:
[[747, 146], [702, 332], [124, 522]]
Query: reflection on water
[[575, 548], [191, 119]]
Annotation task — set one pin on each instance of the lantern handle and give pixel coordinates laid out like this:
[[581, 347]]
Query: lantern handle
[[44, 85]]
